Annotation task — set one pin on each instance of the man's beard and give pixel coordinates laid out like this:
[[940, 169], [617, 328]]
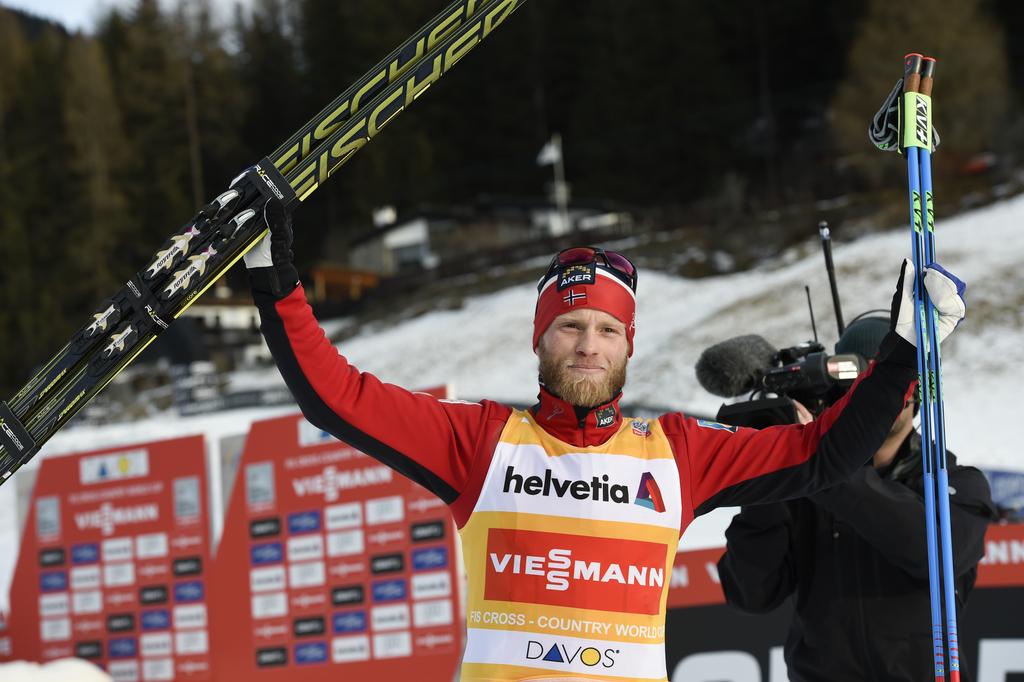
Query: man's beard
[[578, 389]]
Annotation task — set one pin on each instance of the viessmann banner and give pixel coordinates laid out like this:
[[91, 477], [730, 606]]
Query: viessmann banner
[[333, 564], [113, 563]]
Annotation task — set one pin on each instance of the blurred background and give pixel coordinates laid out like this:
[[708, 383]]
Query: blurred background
[[706, 140], [728, 129]]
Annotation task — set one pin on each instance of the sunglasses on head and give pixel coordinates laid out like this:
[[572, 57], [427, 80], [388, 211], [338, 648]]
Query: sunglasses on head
[[616, 263]]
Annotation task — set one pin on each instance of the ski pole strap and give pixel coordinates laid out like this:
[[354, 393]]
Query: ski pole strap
[[14, 437], [890, 119], [884, 131]]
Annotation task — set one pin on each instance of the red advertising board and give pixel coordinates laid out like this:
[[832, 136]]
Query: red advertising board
[[113, 563], [332, 566]]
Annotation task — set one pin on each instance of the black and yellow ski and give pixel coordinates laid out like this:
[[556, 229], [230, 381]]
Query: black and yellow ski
[[226, 228]]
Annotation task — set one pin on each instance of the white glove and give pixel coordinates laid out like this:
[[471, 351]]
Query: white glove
[[946, 292]]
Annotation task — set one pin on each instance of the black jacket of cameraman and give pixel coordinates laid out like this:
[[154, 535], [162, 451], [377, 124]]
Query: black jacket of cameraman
[[855, 558]]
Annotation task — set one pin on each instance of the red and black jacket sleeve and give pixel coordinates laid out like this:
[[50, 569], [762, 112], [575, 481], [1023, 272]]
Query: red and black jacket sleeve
[[433, 442], [724, 467]]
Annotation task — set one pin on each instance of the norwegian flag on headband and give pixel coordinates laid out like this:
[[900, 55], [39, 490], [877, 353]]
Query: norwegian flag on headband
[[574, 297]]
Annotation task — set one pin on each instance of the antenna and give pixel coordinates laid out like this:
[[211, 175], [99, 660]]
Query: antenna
[[814, 327], [826, 245]]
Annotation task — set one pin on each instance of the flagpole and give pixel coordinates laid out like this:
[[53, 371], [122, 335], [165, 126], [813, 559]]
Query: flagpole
[[561, 190]]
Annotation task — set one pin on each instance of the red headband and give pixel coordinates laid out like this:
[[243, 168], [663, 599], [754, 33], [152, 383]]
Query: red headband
[[585, 286]]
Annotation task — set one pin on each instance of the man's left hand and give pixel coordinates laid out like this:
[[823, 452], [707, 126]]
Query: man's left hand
[[946, 291]]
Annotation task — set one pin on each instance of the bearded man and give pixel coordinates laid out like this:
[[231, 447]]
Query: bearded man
[[569, 512]]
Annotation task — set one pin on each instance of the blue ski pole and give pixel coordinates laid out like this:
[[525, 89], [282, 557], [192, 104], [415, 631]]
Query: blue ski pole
[[935, 374], [916, 136]]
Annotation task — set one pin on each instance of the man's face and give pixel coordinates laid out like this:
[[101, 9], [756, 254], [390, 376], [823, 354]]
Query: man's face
[[583, 357]]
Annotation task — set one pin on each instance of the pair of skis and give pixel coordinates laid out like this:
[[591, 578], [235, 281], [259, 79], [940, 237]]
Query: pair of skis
[[918, 140], [226, 228]]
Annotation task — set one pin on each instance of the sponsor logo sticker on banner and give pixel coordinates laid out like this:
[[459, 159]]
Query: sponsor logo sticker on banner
[[153, 594], [186, 498], [392, 645], [86, 602], [432, 613], [191, 565], [156, 644], [339, 516], [313, 652], [352, 621], [389, 590], [259, 484], [272, 605], [118, 549], [429, 558], [85, 553], [53, 581], [51, 557], [308, 627], [55, 629], [306, 574], [312, 435], [424, 532], [350, 649], [48, 517], [191, 642], [151, 546], [345, 543], [113, 467], [385, 510], [191, 616], [352, 594], [123, 671], [157, 619], [304, 522], [305, 547], [431, 585], [119, 575], [394, 617], [271, 656], [268, 553], [261, 528], [93, 649], [120, 622], [158, 669], [57, 604], [189, 591], [122, 647], [387, 563], [85, 577], [270, 579]]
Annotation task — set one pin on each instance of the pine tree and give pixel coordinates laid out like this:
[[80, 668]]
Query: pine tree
[[971, 86]]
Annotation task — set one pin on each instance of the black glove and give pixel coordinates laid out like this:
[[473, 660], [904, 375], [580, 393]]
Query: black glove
[[270, 263]]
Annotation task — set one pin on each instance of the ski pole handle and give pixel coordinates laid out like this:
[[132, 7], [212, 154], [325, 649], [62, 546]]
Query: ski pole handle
[[912, 72], [927, 75]]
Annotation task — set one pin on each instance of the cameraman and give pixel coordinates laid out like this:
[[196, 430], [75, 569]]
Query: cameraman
[[855, 556]]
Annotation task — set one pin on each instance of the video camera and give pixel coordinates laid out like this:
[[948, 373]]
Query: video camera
[[749, 364]]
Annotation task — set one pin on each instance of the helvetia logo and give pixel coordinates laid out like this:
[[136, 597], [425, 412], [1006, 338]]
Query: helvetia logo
[[598, 488], [560, 653], [649, 494]]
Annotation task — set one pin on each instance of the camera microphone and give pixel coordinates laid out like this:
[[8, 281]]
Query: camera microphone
[[731, 368]]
